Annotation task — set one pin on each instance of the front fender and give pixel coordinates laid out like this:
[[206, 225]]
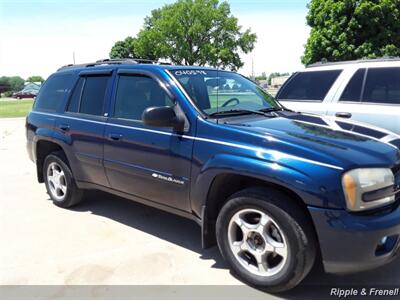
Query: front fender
[[293, 179]]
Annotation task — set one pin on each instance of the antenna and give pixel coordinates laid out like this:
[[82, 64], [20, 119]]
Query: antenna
[[73, 56]]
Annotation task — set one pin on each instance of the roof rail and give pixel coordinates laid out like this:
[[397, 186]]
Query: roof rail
[[363, 60], [126, 60], [108, 61]]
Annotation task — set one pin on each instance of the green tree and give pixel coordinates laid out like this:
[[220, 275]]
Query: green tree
[[4, 84], [352, 29], [14, 83], [35, 79], [123, 49], [195, 32]]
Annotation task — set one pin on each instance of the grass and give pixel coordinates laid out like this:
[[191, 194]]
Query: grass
[[15, 108]]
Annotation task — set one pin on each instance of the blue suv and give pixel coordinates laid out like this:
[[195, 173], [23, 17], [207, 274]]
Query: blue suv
[[277, 190]]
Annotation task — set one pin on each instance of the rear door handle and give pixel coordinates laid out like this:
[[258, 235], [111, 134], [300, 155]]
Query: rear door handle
[[345, 115], [63, 127], [115, 136]]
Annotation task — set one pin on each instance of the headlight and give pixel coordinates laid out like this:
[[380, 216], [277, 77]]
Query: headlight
[[368, 188]]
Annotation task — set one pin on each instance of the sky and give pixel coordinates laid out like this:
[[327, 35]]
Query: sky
[[38, 37]]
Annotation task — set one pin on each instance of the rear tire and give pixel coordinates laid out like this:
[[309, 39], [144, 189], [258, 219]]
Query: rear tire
[[59, 181], [266, 238]]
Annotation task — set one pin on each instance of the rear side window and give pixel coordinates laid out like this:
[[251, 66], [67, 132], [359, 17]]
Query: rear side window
[[73, 105], [352, 92], [88, 96], [92, 101], [308, 86], [53, 92], [382, 86]]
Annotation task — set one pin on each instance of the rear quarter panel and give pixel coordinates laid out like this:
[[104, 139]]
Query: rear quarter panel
[[38, 127]]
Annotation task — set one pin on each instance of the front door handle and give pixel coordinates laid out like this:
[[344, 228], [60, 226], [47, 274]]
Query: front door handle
[[115, 136], [345, 115], [64, 127]]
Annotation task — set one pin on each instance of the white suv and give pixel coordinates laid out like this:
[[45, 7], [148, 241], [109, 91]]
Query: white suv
[[364, 90]]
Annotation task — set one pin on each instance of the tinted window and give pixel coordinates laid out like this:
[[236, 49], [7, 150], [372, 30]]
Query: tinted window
[[135, 94], [93, 95], [73, 105], [308, 85], [352, 92], [53, 92], [382, 86]]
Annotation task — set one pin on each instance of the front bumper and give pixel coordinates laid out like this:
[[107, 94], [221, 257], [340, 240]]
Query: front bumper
[[351, 243]]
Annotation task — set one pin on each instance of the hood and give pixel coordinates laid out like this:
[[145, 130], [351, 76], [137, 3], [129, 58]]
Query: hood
[[334, 140]]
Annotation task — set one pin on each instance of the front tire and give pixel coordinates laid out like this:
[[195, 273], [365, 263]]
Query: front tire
[[266, 238], [60, 183]]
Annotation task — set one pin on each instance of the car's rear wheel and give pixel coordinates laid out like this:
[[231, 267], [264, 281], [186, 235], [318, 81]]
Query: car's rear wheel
[[266, 238], [59, 181]]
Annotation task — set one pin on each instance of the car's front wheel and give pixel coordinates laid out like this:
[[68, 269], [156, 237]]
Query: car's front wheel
[[266, 238], [60, 183]]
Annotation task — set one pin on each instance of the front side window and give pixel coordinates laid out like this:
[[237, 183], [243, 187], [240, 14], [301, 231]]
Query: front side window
[[216, 91], [308, 86], [135, 94], [53, 92], [382, 86]]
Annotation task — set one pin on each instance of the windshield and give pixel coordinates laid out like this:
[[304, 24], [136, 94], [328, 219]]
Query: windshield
[[217, 91]]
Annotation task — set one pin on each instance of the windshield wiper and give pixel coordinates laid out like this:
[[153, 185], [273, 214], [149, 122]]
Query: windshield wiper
[[236, 112], [272, 109]]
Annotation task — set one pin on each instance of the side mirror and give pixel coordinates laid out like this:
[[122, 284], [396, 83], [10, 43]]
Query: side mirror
[[163, 116]]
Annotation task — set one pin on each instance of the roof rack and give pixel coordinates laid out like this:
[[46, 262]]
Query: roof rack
[[109, 61], [363, 60]]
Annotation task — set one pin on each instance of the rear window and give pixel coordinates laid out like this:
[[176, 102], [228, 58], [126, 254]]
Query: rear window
[[53, 92], [308, 86], [382, 86]]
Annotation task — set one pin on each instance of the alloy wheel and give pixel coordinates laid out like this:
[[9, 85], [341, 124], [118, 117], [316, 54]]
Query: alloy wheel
[[57, 181], [257, 242]]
